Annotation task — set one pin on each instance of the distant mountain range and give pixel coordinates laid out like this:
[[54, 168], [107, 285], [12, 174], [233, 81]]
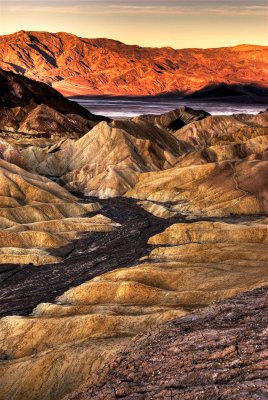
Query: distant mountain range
[[78, 66]]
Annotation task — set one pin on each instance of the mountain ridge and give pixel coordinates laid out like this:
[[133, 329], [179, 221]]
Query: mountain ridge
[[22, 31], [81, 66]]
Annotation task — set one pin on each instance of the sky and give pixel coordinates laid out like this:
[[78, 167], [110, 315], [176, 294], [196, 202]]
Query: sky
[[155, 23]]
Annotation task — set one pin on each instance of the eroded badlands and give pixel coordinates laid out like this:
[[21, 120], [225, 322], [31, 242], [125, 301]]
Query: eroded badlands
[[177, 219]]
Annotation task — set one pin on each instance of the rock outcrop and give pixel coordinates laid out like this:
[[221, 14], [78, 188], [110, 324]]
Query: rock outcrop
[[33, 108], [220, 352], [224, 130], [19, 91], [10, 153], [75, 65]]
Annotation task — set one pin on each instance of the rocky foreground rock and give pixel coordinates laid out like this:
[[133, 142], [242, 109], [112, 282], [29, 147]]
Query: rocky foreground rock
[[80, 66], [217, 353]]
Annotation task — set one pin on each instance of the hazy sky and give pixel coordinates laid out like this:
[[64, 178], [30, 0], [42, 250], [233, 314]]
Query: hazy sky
[[176, 23]]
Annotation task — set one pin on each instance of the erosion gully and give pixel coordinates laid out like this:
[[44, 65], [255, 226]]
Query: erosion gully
[[23, 287]]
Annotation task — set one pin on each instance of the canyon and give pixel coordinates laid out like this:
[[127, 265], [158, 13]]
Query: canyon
[[133, 252]]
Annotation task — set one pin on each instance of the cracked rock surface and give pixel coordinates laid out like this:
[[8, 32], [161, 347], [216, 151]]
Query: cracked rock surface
[[217, 353]]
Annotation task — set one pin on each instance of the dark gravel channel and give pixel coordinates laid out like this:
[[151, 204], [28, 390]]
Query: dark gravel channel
[[23, 287]]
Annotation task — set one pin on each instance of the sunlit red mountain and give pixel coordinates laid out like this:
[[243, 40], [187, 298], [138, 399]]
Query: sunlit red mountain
[[75, 65]]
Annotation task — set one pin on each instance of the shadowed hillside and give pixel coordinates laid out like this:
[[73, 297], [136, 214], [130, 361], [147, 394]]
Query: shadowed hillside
[[33, 109]]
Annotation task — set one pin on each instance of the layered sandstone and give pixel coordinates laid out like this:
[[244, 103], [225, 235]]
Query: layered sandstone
[[38, 216], [224, 130], [67, 343], [75, 65], [10, 153]]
